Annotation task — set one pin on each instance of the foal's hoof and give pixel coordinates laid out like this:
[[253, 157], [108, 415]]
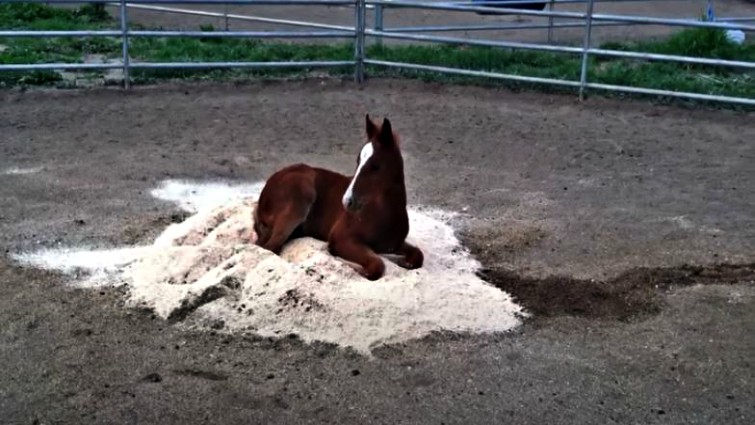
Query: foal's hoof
[[371, 276], [412, 261], [409, 265], [374, 272]]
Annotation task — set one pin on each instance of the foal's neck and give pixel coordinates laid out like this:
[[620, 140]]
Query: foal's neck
[[395, 195]]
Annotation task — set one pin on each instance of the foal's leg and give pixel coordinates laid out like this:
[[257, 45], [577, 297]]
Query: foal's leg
[[261, 229], [285, 222], [284, 225], [373, 267], [411, 256]]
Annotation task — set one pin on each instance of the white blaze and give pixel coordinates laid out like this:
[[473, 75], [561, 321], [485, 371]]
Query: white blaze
[[365, 155]]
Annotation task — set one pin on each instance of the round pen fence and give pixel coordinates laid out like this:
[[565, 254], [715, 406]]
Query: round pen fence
[[549, 14]]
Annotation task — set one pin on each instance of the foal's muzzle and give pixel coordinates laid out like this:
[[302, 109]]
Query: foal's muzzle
[[351, 204]]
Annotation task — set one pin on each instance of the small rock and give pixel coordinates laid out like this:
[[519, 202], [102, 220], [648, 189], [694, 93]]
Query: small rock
[[355, 372], [270, 376]]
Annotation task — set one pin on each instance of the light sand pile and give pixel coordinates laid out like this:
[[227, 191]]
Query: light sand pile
[[207, 272]]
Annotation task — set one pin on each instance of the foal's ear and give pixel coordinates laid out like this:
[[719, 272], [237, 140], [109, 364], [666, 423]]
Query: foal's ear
[[371, 128], [386, 133]]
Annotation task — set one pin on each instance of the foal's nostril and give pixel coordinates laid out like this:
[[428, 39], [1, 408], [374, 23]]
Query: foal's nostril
[[350, 204]]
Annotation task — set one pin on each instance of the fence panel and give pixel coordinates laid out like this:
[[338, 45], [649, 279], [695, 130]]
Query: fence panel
[[359, 34], [587, 19], [125, 34]]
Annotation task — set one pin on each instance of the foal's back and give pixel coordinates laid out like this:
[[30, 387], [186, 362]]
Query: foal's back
[[301, 190]]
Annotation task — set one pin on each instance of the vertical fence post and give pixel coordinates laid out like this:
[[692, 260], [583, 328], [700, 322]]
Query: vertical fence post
[[124, 36], [551, 8], [379, 22], [359, 26], [585, 49], [225, 15]]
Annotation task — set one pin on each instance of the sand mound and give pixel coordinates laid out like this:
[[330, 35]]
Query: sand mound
[[207, 272]]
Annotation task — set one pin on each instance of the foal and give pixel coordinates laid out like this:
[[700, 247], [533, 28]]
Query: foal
[[359, 217]]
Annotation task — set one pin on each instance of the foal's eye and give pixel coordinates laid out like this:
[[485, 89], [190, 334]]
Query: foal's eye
[[374, 167]]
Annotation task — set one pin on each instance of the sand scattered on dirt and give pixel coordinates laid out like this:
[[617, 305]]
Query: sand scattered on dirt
[[15, 171], [207, 273], [98, 265], [195, 197]]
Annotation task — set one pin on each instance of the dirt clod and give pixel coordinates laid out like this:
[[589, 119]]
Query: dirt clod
[[152, 378]]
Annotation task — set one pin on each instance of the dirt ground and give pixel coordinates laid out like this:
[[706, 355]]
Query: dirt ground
[[625, 227], [405, 17]]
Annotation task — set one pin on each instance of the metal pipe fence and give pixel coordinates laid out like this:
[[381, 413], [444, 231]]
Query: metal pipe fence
[[589, 20], [359, 33], [125, 34], [231, 16]]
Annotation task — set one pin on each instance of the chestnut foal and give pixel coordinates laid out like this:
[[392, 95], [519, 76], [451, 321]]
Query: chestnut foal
[[359, 217]]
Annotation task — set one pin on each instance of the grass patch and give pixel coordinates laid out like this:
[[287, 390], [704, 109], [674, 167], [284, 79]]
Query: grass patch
[[699, 42], [36, 16], [39, 17], [213, 49]]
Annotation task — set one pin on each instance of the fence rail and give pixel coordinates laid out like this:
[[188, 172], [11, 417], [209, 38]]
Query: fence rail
[[360, 34]]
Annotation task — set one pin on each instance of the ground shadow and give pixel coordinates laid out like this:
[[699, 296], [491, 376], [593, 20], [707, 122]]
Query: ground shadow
[[632, 294]]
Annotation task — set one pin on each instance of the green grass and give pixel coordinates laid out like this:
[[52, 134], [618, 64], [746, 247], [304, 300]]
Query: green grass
[[696, 42], [173, 49], [39, 17], [701, 42], [35, 16]]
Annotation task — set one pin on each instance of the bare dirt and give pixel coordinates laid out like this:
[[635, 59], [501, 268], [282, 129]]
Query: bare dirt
[[625, 227]]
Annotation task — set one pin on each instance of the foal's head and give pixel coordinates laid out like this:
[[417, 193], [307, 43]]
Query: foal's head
[[379, 166]]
